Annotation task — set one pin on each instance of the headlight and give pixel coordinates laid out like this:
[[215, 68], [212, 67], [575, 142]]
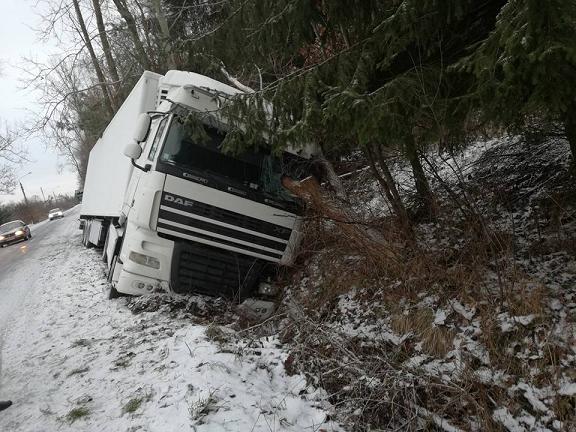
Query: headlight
[[19, 232], [144, 260], [1, 237], [142, 285]]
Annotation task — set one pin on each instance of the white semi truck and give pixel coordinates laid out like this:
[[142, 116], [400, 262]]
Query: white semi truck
[[175, 213]]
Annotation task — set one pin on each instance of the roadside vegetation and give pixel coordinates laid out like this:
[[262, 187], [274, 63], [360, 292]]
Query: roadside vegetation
[[36, 209], [76, 414], [468, 323]]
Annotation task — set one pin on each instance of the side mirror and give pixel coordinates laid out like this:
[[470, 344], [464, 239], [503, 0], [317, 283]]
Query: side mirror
[[141, 128], [133, 150]]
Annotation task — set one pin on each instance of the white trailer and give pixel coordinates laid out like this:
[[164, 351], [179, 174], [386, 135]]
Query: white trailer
[[178, 214], [109, 172]]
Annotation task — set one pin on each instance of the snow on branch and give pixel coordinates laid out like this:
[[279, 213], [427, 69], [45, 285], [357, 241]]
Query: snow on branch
[[234, 81]]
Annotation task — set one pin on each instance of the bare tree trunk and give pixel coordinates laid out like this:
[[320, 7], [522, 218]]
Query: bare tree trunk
[[388, 185], [391, 182], [145, 25], [106, 48], [165, 29], [333, 180], [101, 78], [133, 30], [423, 191]]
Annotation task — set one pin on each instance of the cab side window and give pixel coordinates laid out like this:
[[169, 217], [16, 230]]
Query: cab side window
[[157, 138]]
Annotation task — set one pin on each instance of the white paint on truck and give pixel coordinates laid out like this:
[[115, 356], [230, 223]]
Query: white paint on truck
[[109, 171], [188, 226]]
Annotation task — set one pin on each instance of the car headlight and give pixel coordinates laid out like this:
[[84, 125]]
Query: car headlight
[[144, 260], [19, 232], [1, 237]]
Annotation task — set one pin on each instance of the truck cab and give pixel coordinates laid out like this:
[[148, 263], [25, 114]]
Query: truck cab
[[194, 218]]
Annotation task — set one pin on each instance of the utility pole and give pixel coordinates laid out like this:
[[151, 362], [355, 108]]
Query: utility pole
[[25, 197], [24, 193], [43, 196]]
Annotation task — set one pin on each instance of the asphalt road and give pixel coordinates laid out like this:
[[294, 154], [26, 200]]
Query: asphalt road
[[11, 257], [20, 265]]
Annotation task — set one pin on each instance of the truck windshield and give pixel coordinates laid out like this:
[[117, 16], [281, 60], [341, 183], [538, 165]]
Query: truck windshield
[[257, 171]]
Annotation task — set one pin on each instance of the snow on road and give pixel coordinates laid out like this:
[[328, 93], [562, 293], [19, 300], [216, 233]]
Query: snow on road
[[72, 360]]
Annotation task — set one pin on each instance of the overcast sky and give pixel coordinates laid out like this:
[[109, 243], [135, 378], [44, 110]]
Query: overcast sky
[[17, 40]]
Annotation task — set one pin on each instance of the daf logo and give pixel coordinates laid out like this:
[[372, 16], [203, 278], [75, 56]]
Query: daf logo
[[175, 200]]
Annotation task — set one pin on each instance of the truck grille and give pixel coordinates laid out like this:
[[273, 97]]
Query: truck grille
[[213, 271], [181, 217]]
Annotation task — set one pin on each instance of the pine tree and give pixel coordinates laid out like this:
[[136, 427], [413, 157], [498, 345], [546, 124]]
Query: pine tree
[[349, 75], [524, 71]]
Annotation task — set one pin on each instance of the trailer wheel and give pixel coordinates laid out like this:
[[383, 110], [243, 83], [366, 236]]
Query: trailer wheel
[[104, 254], [86, 236]]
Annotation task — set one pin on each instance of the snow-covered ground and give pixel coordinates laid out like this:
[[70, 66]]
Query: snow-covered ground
[[475, 329], [72, 360]]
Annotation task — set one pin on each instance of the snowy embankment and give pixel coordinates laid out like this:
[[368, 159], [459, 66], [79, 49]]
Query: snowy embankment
[[72, 360], [474, 327]]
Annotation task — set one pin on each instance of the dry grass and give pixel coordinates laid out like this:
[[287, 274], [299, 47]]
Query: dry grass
[[467, 259], [132, 405], [76, 414], [436, 341], [527, 298]]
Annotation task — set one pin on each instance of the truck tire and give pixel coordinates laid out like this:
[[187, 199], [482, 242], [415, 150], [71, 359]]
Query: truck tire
[[104, 254], [86, 235]]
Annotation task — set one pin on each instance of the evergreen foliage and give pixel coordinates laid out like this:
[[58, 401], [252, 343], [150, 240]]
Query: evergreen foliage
[[377, 76], [378, 79], [523, 69]]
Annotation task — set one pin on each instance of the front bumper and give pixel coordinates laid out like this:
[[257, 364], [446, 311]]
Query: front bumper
[[136, 284], [12, 240], [133, 277]]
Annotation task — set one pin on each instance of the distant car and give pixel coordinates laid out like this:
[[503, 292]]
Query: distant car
[[55, 214], [13, 232]]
